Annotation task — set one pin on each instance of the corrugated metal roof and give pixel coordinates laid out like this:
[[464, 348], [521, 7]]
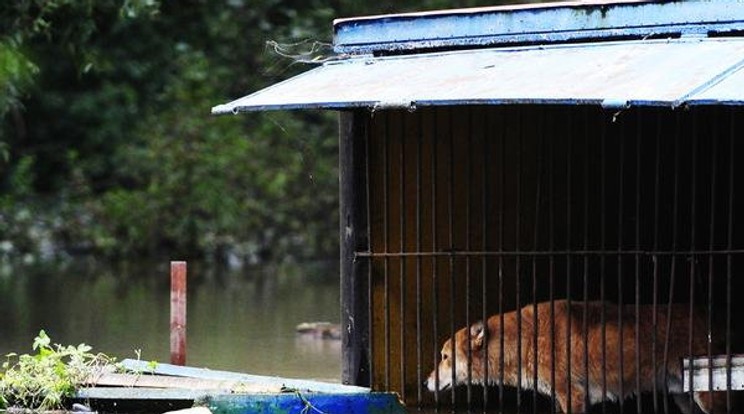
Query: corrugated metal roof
[[729, 91], [651, 72]]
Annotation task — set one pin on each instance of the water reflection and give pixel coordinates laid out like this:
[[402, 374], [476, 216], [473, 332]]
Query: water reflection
[[241, 321]]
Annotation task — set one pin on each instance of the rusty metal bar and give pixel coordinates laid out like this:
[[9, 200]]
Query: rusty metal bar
[[657, 175], [468, 287], [538, 196], [729, 246], [548, 253], [711, 245], [620, 301], [603, 245], [484, 246], [451, 231], [586, 260], [434, 270], [502, 183], [518, 272], [638, 121], [639, 406], [370, 288], [675, 216], [419, 245], [402, 265], [693, 233], [569, 162], [386, 244], [551, 262]]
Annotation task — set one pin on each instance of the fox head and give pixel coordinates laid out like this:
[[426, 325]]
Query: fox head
[[455, 354]]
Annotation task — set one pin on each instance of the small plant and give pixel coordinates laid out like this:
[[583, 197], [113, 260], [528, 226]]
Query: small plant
[[44, 380]]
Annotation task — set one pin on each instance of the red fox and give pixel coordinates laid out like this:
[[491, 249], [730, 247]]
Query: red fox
[[479, 335]]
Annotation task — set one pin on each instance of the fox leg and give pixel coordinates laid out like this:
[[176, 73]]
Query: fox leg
[[683, 402], [705, 402], [711, 402], [577, 401]]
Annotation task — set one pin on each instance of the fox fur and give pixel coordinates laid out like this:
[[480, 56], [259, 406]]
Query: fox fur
[[487, 338]]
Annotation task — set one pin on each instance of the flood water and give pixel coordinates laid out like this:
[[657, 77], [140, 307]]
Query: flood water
[[242, 320]]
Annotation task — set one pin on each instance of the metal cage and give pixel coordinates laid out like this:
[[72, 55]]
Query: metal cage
[[565, 174], [475, 211]]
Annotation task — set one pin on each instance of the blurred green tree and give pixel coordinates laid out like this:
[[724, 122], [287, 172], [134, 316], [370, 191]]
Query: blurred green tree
[[107, 145]]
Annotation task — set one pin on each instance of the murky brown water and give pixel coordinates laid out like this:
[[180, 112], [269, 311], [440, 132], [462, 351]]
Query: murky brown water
[[239, 320]]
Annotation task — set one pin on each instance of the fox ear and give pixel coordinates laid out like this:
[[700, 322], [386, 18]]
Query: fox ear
[[477, 335]]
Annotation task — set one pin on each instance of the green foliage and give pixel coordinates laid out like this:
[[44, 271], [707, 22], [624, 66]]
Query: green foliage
[[109, 141], [43, 380], [16, 74]]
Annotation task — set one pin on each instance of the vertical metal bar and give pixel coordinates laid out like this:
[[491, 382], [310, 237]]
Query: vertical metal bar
[[551, 259], [369, 248], [502, 183], [693, 233], [538, 196], [484, 263], [675, 224], [585, 320], [402, 248], [711, 246], [434, 270], [419, 237], [569, 229], [451, 247], [468, 287], [620, 301], [639, 119], [386, 243], [729, 246], [518, 259], [655, 318], [602, 257]]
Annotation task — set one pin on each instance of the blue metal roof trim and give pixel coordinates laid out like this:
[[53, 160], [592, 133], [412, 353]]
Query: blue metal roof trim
[[612, 74], [548, 23]]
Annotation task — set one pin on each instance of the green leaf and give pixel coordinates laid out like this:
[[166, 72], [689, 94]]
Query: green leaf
[[41, 341]]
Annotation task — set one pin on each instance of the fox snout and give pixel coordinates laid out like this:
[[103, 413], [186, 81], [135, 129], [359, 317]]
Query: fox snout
[[433, 385]]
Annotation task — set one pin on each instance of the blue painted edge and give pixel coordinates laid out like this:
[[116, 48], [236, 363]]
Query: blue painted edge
[[551, 23], [305, 403]]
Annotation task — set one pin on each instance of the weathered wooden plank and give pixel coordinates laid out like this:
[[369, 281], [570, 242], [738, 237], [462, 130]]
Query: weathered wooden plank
[[286, 383], [143, 394], [160, 381], [718, 378]]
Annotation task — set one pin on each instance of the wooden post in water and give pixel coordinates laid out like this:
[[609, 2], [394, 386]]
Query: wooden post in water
[[178, 313]]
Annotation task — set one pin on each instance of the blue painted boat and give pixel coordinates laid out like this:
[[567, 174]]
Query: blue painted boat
[[306, 403], [162, 387]]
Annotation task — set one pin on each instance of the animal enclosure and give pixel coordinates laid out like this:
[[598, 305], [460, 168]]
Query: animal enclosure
[[572, 168], [475, 211]]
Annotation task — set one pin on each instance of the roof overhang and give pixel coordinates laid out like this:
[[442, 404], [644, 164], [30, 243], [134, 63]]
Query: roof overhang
[[396, 62]]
